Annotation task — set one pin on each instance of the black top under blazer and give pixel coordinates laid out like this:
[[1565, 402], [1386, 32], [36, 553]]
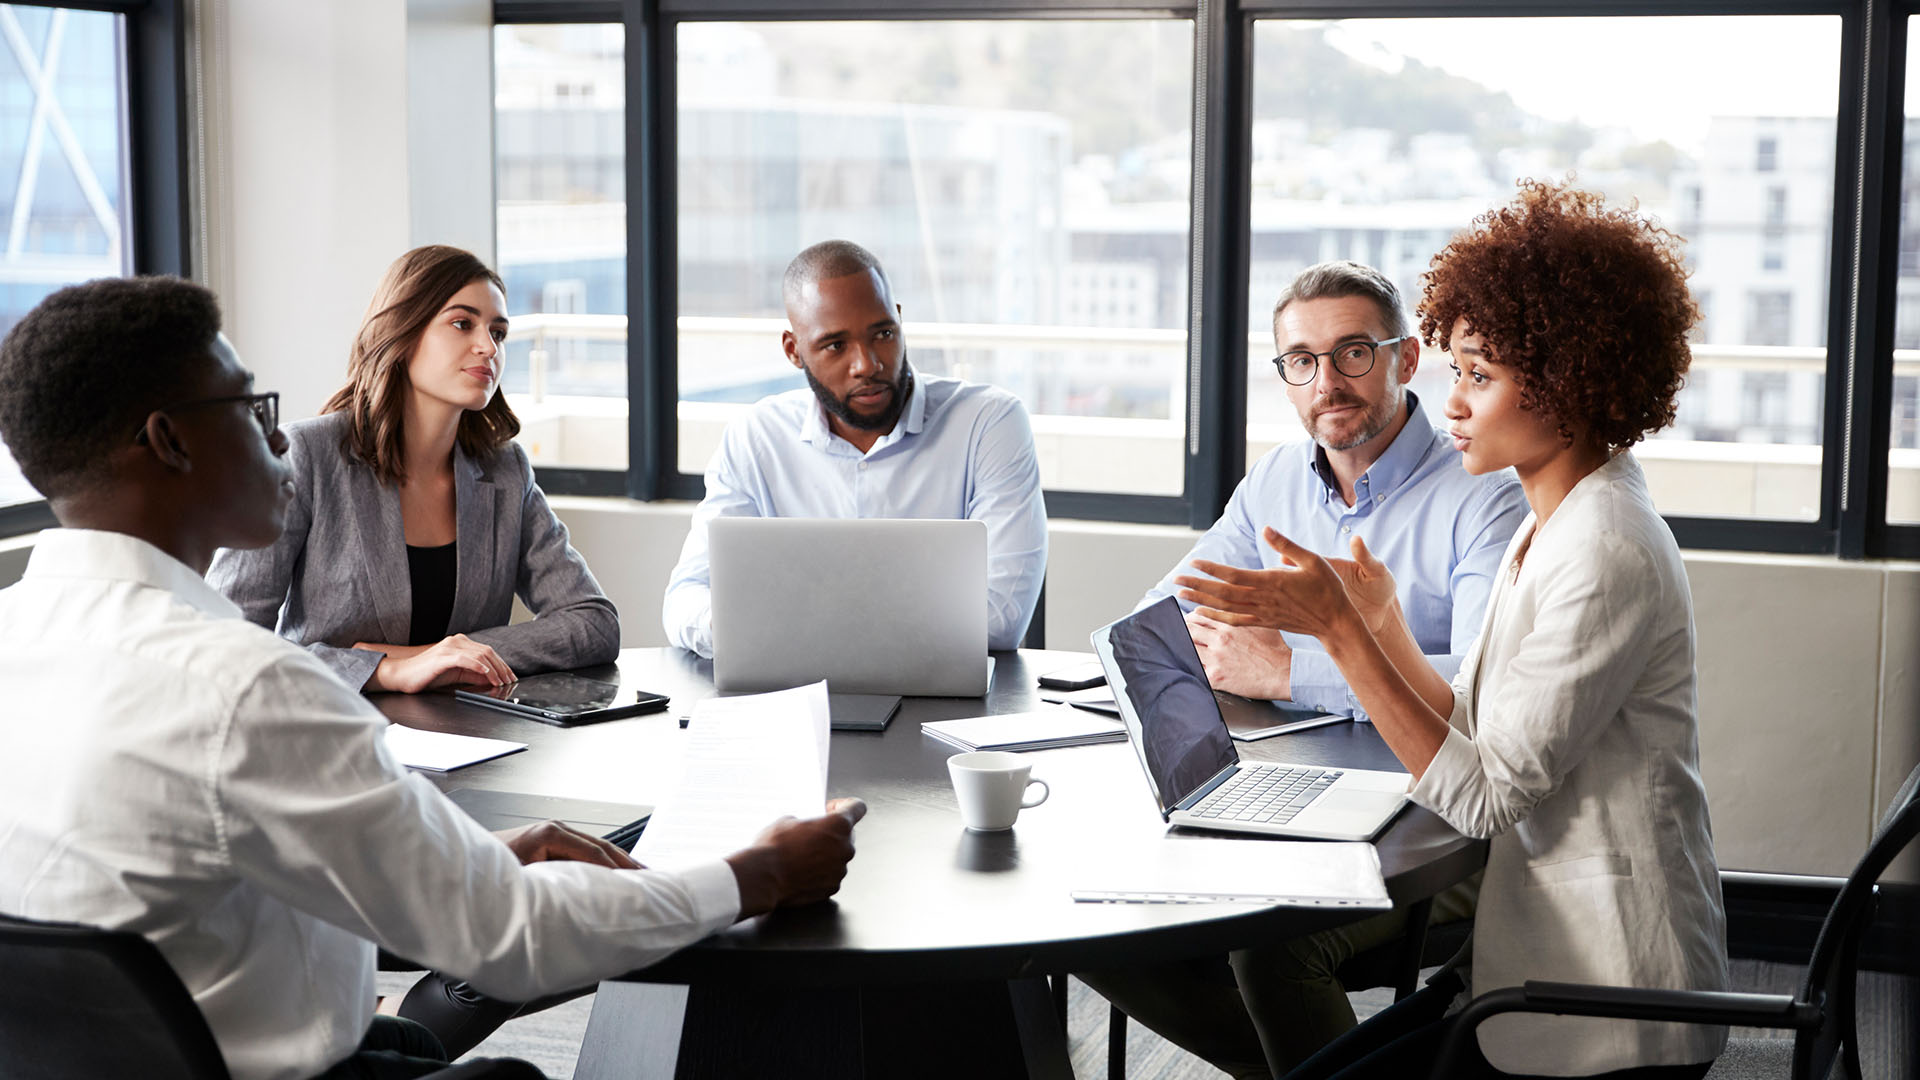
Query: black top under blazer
[[338, 574]]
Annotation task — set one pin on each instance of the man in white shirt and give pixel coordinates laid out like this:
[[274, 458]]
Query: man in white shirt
[[169, 768], [871, 438]]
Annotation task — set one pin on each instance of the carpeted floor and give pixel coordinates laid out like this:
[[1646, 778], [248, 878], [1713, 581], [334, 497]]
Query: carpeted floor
[[551, 1040]]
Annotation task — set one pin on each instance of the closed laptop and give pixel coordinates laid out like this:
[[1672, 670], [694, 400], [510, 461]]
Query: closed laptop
[[873, 606]]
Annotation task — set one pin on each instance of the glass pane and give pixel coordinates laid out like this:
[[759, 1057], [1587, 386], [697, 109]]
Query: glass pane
[[63, 206], [1024, 183], [560, 181], [1903, 451], [1376, 140]]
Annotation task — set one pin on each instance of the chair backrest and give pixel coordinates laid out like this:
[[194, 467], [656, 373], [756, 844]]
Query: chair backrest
[[77, 1001], [1834, 967]]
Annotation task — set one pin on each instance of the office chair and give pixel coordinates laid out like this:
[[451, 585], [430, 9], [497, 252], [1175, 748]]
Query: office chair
[[1821, 1015], [1396, 964], [79, 1003]]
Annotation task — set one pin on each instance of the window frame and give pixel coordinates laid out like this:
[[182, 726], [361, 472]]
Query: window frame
[[157, 161], [1863, 264]]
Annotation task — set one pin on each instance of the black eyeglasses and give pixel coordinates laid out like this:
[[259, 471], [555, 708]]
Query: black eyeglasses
[[1352, 359], [265, 408]]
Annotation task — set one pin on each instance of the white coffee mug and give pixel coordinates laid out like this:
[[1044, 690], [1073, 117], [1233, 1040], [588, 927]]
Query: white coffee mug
[[991, 786]]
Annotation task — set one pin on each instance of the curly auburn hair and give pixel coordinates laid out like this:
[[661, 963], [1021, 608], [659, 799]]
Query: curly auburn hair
[[1587, 305]]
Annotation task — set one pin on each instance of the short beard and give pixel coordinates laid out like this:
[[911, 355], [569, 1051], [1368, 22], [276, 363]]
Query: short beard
[[839, 409], [1372, 422]]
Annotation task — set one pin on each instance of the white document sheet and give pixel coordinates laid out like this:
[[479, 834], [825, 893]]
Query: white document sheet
[[749, 760], [437, 751], [1027, 730], [1288, 873]]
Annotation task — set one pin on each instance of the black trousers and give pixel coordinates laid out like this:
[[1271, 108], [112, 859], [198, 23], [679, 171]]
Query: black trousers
[[1403, 1041], [463, 1017], [396, 1049]]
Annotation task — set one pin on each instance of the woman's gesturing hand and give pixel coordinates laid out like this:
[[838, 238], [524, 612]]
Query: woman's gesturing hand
[[1306, 596], [1369, 585]]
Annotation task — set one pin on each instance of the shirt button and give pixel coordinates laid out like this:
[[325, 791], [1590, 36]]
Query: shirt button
[[1346, 528], [863, 466]]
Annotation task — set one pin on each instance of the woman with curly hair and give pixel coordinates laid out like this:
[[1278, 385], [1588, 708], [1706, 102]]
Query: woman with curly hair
[[1569, 736]]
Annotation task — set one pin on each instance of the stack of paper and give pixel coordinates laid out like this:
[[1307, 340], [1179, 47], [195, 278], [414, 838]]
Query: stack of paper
[[1026, 731], [750, 760], [1211, 871]]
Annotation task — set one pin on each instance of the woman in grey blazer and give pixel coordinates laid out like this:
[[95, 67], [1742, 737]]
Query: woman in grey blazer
[[416, 520], [1570, 735]]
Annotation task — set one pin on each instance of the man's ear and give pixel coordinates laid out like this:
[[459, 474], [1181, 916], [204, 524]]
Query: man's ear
[[163, 441], [791, 346], [1409, 358]]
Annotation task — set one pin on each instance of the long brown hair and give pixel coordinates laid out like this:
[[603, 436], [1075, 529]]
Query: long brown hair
[[415, 289]]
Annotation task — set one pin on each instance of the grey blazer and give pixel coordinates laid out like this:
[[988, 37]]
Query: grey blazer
[[338, 574]]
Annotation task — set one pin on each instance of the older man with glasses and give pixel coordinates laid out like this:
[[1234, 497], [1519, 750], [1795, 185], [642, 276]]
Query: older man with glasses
[[1373, 471]]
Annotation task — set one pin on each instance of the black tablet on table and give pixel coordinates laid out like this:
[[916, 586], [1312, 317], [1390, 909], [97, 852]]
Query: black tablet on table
[[563, 698]]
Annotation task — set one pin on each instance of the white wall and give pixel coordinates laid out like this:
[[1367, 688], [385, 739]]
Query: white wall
[[450, 124], [1809, 667], [338, 135], [314, 136]]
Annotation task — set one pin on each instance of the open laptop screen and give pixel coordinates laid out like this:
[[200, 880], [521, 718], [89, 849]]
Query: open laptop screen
[[1164, 698]]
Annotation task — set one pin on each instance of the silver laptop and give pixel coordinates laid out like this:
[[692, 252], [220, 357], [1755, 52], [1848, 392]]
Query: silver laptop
[[873, 606], [1189, 757]]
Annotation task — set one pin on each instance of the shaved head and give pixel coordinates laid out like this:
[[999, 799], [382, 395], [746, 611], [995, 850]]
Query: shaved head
[[825, 261]]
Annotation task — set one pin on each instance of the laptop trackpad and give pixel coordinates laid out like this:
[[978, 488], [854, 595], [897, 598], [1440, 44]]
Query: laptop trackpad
[[1359, 809]]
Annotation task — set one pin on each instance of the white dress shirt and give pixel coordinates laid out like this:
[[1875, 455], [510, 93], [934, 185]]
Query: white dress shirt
[[169, 768], [961, 451], [1573, 743]]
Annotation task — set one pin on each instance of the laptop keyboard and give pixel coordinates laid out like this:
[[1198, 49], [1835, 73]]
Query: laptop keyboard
[[1271, 795]]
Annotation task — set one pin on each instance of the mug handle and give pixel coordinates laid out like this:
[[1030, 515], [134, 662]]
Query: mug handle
[[1044, 792]]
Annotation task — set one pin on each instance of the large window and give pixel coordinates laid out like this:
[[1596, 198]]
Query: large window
[[561, 228], [1376, 140], [1095, 206], [1903, 442], [63, 164], [1025, 183]]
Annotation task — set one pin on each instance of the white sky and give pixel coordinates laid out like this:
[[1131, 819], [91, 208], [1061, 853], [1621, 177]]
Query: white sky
[[1661, 77]]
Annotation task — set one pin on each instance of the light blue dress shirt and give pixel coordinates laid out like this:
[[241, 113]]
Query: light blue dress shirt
[[1441, 531], [961, 451]]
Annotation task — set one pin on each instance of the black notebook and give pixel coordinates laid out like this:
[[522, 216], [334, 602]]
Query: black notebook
[[861, 712]]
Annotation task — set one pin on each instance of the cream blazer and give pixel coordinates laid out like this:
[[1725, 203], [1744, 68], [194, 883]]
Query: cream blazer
[[1574, 746]]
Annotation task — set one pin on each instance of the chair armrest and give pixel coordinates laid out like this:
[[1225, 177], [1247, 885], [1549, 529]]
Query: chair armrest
[[1626, 1003]]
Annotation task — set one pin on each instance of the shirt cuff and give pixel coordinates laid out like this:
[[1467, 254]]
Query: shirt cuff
[[1314, 681], [687, 617], [352, 666], [715, 892], [1448, 775]]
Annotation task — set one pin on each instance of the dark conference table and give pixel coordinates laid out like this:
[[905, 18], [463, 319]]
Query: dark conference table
[[932, 959]]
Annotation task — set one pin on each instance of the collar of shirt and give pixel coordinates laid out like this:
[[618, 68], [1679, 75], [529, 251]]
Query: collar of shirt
[[1392, 469], [112, 556], [815, 432]]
